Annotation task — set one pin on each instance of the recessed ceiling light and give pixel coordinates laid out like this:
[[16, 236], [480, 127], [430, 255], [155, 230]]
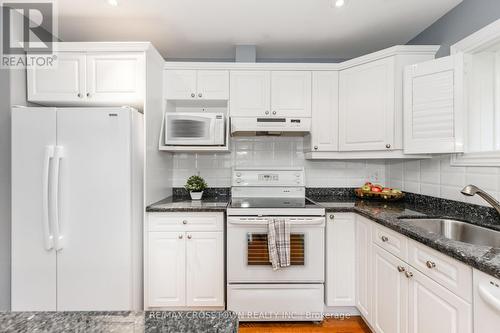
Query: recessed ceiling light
[[339, 3], [113, 3]]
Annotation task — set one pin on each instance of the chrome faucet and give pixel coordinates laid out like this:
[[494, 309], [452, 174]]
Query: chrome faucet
[[471, 190]]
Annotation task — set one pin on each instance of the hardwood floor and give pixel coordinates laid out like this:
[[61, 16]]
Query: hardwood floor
[[351, 325]]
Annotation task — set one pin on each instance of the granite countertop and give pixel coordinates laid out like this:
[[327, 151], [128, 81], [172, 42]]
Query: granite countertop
[[119, 322], [172, 204], [484, 258]]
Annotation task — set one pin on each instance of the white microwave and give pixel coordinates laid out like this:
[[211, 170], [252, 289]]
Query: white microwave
[[194, 129]]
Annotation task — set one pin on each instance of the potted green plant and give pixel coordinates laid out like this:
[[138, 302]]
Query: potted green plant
[[195, 185]]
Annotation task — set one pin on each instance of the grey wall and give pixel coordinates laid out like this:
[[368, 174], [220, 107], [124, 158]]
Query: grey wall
[[463, 20], [4, 190]]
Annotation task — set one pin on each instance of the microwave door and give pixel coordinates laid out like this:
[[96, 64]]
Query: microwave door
[[189, 130]]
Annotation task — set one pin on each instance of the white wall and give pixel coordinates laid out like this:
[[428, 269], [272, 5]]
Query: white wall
[[4, 190], [274, 151], [437, 178]]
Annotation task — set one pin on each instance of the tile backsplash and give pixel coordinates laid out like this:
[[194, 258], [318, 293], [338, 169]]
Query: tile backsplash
[[437, 178], [274, 151]]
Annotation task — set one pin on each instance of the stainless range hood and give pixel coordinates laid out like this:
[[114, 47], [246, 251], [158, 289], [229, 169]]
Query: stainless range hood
[[252, 126]]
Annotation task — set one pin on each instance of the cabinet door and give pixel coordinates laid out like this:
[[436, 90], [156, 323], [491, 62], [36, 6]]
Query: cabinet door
[[180, 84], [63, 83], [366, 106], [205, 269], [340, 268], [166, 269], [291, 94], [435, 309], [363, 272], [212, 85], [250, 93], [115, 79], [433, 106], [325, 111], [390, 293]]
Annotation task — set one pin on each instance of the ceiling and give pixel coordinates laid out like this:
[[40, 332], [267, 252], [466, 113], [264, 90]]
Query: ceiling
[[281, 29]]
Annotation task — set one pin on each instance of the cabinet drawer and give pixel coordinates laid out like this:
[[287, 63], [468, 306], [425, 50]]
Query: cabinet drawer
[[450, 273], [391, 241], [182, 221]]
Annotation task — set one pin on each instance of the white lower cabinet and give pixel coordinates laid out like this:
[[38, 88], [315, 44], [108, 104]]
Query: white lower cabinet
[[340, 258], [390, 293], [363, 260], [395, 296], [185, 267], [434, 309]]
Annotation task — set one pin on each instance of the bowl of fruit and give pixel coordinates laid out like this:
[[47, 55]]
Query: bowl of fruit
[[376, 191]]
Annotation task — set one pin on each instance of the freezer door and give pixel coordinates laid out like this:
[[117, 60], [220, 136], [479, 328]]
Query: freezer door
[[94, 245], [33, 255]]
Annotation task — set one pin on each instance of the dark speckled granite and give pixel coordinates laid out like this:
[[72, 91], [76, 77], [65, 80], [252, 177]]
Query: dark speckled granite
[[486, 259], [119, 322], [172, 204], [219, 193]]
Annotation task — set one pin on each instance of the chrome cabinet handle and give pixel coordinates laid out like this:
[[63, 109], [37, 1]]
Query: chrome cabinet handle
[[409, 274], [79, 95], [199, 95], [189, 236], [401, 269], [267, 112], [180, 236], [193, 95], [384, 239], [274, 112], [331, 216], [185, 222], [88, 94], [430, 264], [315, 147], [387, 146]]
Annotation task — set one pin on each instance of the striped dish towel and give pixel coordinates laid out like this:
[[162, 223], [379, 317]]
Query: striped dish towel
[[278, 243]]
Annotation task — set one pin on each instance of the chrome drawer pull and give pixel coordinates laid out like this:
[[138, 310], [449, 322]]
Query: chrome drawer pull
[[409, 274], [185, 222], [384, 239], [401, 269], [430, 264]]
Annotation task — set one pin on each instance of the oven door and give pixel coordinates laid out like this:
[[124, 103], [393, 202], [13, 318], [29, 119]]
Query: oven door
[[189, 129], [248, 256]]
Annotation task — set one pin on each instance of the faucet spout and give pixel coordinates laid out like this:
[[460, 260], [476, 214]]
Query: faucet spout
[[471, 190]]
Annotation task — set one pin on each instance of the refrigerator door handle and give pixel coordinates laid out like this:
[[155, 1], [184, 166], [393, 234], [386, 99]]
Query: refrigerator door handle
[[56, 224], [48, 236]]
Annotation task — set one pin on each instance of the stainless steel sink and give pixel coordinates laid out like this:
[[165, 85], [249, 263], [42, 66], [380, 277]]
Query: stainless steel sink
[[457, 230]]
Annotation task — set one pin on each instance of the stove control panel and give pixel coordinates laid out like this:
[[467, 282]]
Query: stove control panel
[[281, 177]]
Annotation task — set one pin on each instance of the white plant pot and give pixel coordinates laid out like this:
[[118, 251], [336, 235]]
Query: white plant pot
[[196, 195]]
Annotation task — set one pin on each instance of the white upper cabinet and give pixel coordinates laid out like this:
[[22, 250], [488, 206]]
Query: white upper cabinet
[[325, 111], [433, 106], [367, 106], [180, 84], [340, 259], [116, 78], [291, 94], [81, 78], [270, 93], [213, 84], [196, 84], [250, 93], [65, 82]]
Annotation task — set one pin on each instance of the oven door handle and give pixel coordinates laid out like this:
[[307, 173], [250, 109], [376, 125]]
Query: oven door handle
[[316, 221]]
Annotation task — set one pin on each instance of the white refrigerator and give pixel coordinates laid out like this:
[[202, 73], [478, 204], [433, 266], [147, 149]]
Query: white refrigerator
[[77, 209]]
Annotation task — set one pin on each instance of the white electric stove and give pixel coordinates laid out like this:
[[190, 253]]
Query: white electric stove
[[255, 291]]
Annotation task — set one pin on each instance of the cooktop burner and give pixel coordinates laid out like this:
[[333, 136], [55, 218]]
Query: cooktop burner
[[272, 203]]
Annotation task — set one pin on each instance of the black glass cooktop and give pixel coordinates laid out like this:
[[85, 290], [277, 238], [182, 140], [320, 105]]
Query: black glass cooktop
[[272, 203]]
